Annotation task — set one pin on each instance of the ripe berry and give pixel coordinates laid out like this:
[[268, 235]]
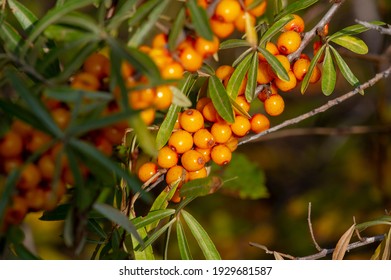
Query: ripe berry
[[258, 10], [15, 213], [300, 68], [175, 173], [203, 139], [148, 115], [296, 24], [232, 143], [288, 42], [227, 10], [259, 122], [61, 117], [191, 60], [11, 145], [202, 173], [202, 102], [30, 177], [224, 72], [267, 92], [98, 65], [160, 40], [173, 70], [205, 153], [191, 120], [271, 48], [316, 74], [85, 81], [180, 141], [209, 112], [163, 97], [192, 160], [146, 171], [221, 154], [46, 166], [37, 141], [241, 126], [263, 74], [243, 103], [274, 105], [220, 28], [141, 99], [167, 157], [286, 85], [206, 48], [221, 132]]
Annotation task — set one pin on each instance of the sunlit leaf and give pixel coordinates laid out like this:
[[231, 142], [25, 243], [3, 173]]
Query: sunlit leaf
[[353, 30], [220, 99], [276, 65], [351, 43], [151, 217], [329, 75], [252, 78], [183, 245], [179, 98], [238, 76], [343, 243], [233, 43], [251, 32], [200, 20], [239, 109], [295, 6], [158, 233], [145, 254], [24, 16], [314, 61]]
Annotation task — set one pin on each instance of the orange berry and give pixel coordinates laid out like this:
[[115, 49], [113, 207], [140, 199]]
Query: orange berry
[[288, 42], [241, 126], [220, 28], [192, 160], [103, 145], [203, 139], [46, 166], [202, 102], [167, 157], [274, 105], [240, 22], [11, 164], [180, 141], [177, 125], [161, 57], [224, 72], [159, 41], [173, 70], [232, 143], [221, 132], [61, 117], [98, 65], [22, 128], [37, 141], [267, 91], [296, 24], [227, 10], [206, 48], [221, 154], [176, 173], [30, 177], [127, 70], [286, 85], [205, 153], [191, 60], [316, 74], [300, 68], [258, 10], [259, 122], [15, 213], [271, 48], [11, 145], [191, 120], [148, 116], [209, 112], [141, 99], [202, 173], [113, 134], [146, 171], [85, 81], [263, 74], [163, 97], [243, 103], [176, 198]]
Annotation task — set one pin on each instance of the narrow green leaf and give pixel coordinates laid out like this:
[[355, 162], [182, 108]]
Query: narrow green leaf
[[123, 12], [254, 4], [146, 253], [24, 16], [152, 217], [201, 187], [10, 36], [176, 29], [233, 43], [145, 137], [252, 78], [206, 244], [23, 253], [295, 6], [351, 43], [63, 33], [95, 227], [345, 70], [353, 30], [383, 220], [275, 64], [141, 12], [183, 245], [179, 98], [117, 217], [329, 75], [200, 20], [57, 214], [239, 108], [314, 61], [275, 29], [156, 234], [220, 99], [238, 76]]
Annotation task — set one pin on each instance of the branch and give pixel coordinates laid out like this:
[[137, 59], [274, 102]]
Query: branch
[[380, 29], [382, 75]]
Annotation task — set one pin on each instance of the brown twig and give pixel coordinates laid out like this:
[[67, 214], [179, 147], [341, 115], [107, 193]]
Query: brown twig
[[380, 29], [311, 229], [379, 76]]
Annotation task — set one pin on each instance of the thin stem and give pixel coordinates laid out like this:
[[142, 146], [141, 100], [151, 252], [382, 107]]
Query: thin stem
[[380, 29], [311, 229]]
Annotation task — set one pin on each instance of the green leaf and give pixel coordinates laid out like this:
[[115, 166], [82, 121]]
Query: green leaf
[[176, 29], [63, 33], [220, 99], [295, 6], [146, 253], [345, 70], [329, 75], [233, 43], [146, 139], [152, 217], [238, 76], [179, 98], [383, 220], [200, 187], [123, 12], [183, 245], [275, 64], [200, 20], [117, 217], [274, 29], [254, 4], [23, 253], [239, 108], [95, 227], [351, 43], [10, 36], [206, 244], [252, 78], [314, 61], [23, 15], [57, 214], [353, 30], [156, 234], [141, 12]]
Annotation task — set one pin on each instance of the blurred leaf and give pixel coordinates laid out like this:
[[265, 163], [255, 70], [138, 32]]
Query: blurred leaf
[[145, 138], [344, 68], [343, 243], [351, 43], [10, 36], [200, 20], [156, 234], [238, 76], [250, 30], [23, 253], [123, 13], [141, 12], [314, 61], [353, 30], [383, 220], [63, 33], [233, 43], [254, 4], [243, 178], [220, 99], [387, 247], [329, 75], [295, 7], [206, 244], [147, 253], [95, 227], [176, 29], [179, 98], [57, 214], [183, 245], [152, 217], [274, 29], [275, 64], [72, 95], [117, 217], [252, 78], [201, 187], [23, 15], [8, 190]]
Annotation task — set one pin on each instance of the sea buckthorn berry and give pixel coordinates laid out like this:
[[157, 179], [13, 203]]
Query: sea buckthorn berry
[[191, 120], [258, 10], [286, 85], [37, 141], [22, 128], [113, 134], [159, 41], [202, 173], [316, 74], [15, 213], [176, 173], [163, 97], [46, 166], [241, 126], [243, 103], [288, 42], [202, 102], [146, 171], [227, 10], [11, 145], [190, 59], [240, 22], [203, 139], [61, 117], [141, 99], [284, 62], [205, 153], [180, 141], [30, 177], [192, 160], [220, 28], [259, 122], [85, 81], [266, 92], [173, 70], [221, 154], [206, 48], [148, 115], [221, 132], [167, 157], [232, 143], [209, 112], [263, 74], [98, 65], [161, 57], [176, 198], [271, 48], [274, 105], [300, 68], [104, 146], [296, 24], [177, 125], [11, 164], [224, 72]]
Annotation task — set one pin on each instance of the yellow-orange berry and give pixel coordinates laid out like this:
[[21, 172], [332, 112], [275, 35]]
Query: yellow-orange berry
[[240, 22], [163, 97], [274, 105], [192, 160], [11, 145], [259, 122], [266, 92], [205, 153], [232, 143], [160, 40], [220, 28], [288, 42], [15, 213], [224, 72], [209, 112], [85, 81], [271, 48], [227, 10], [61, 117], [97, 64], [30, 177], [191, 120], [263, 73], [176, 173], [166, 157], [148, 115], [258, 10], [173, 70], [37, 141], [243, 103], [180, 141], [300, 68], [296, 24], [241, 126], [191, 60], [146, 171], [202, 173], [141, 99], [221, 132], [316, 74], [286, 85], [46, 166], [221, 154], [202, 102], [203, 139], [206, 48]]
